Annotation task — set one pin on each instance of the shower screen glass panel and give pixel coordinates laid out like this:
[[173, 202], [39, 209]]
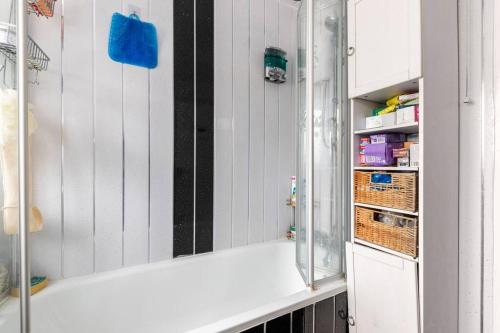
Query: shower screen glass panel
[[330, 145], [301, 209], [9, 237]]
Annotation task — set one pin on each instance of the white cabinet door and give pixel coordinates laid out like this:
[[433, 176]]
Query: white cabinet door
[[384, 44], [382, 291]]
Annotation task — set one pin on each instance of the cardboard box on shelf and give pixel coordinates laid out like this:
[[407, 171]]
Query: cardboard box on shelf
[[380, 154], [403, 152], [407, 115], [387, 138]]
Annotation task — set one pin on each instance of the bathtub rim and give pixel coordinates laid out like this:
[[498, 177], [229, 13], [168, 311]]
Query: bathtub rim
[[325, 288]]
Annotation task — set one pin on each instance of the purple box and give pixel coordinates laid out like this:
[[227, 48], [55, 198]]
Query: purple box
[[388, 138], [380, 154]]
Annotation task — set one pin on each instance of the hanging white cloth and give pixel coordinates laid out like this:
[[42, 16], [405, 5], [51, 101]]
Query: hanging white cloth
[[8, 162]]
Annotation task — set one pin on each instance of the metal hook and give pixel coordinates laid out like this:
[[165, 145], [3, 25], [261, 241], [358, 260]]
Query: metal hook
[[134, 12], [35, 82]]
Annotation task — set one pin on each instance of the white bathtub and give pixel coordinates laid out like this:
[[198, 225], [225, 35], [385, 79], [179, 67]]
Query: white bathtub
[[226, 291]]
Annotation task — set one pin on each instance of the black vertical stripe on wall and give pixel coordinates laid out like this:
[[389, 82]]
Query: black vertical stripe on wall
[[183, 127], [204, 125]]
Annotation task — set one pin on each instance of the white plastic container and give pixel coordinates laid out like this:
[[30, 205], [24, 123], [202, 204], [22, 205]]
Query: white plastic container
[[414, 156]]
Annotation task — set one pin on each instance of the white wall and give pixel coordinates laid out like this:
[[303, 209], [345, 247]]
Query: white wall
[[255, 126], [496, 185], [479, 168], [103, 152], [470, 167], [104, 129]]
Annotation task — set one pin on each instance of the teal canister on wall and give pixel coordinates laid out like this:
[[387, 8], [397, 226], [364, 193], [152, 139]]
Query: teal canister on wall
[[275, 64]]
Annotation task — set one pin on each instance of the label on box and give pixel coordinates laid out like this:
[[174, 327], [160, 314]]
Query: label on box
[[403, 162], [403, 152]]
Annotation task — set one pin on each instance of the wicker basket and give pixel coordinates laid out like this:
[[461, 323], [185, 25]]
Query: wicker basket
[[400, 192], [401, 234]]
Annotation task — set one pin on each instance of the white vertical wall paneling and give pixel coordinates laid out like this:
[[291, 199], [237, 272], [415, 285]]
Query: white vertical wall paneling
[[136, 148], [46, 149], [488, 163], [101, 95], [223, 110], [108, 144], [271, 171], [241, 124], [77, 111], [470, 166], [257, 123], [162, 134], [496, 194], [287, 119]]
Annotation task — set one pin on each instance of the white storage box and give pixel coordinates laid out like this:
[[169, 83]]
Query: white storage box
[[388, 119], [414, 155], [406, 115], [373, 122]]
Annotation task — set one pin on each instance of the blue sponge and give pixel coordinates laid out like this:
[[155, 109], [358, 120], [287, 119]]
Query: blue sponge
[[132, 41]]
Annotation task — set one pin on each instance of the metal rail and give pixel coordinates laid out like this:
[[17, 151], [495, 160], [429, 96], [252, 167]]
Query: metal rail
[[22, 90], [310, 141]]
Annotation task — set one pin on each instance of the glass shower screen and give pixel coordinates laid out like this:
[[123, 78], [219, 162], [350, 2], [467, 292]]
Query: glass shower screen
[[330, 143]]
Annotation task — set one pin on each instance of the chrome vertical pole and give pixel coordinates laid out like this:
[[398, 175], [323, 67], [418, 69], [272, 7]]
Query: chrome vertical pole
[[310, 140], [22, 90]]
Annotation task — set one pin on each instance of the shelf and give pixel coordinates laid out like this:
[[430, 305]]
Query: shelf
[[394, 210], [37, 59], [401, 128], [382, 95], [384, 249], [388, 168]]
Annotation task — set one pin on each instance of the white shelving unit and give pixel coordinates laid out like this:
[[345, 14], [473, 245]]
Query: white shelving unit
[[400, 128], [421, 54], [385, 250], [360, 109], [388, 168], [389, 209]]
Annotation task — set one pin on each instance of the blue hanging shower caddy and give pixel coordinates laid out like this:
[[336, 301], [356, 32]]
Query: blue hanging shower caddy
[[132, 41]]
